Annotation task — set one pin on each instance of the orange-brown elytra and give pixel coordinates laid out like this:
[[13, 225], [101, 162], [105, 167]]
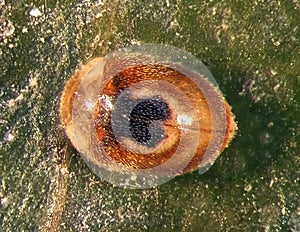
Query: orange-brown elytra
[[143, 112]]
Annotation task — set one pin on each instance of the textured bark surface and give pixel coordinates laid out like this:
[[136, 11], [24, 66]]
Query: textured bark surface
[[251, 47]]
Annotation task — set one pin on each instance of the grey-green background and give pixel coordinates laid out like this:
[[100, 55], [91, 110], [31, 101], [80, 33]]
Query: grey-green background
[[251, 47]]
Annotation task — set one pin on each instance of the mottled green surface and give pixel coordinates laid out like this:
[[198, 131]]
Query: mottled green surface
[[253, 51]]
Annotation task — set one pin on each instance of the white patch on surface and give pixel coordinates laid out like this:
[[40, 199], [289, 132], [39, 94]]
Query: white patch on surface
[[90, 104], [35, 12], [24, 30], [184, 120], [9, 136]]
